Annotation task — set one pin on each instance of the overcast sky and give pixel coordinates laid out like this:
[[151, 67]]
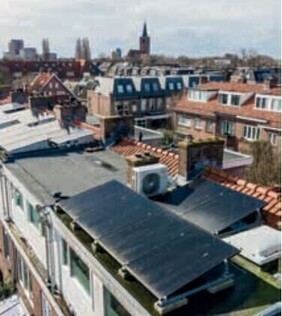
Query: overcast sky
[[176, 27]]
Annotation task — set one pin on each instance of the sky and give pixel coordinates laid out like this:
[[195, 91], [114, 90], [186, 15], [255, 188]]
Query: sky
[[177, 27]]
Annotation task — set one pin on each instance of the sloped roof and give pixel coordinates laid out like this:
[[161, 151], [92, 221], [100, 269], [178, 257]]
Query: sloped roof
[[39, 81], [271, 212], [240, 87]]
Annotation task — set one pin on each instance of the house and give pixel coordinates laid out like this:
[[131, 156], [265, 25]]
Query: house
[[121, 102], [239, 113], [84, 243], [49, 85]]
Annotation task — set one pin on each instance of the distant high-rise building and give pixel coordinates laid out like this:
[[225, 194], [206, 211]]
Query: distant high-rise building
[[144, 41], [82, 49], [15, 46], [78, 52], [86, 51], [45, 49], [28, 53]]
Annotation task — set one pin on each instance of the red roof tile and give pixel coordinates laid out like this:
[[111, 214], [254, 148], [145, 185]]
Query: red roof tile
[[270, 213]]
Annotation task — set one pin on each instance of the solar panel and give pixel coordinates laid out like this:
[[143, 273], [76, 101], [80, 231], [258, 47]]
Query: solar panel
[[212, 206], [160, 249]]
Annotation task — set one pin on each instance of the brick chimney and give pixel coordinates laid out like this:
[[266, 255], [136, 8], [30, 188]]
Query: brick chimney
[[269, 83], [69, 113], [195, 155], [138, 160], [39, 104]]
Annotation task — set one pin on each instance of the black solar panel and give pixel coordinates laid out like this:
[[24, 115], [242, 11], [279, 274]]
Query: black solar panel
[[163, 251], [212, 206]]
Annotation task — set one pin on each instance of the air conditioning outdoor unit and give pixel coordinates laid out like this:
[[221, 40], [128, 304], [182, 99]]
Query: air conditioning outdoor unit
[[150, 180]]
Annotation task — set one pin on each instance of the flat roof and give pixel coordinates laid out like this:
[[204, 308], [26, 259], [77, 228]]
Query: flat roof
[[67, 172], [160, 249], [210, 205], [260, 245]]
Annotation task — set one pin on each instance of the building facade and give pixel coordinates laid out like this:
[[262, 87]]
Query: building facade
[[239, 113]]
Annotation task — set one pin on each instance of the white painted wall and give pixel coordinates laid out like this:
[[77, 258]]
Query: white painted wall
[[31, 233]]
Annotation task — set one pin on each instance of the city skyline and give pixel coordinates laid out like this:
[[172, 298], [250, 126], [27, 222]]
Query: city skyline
[[176, 28]]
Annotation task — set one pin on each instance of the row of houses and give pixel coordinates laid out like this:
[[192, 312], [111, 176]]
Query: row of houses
[[126, 230]]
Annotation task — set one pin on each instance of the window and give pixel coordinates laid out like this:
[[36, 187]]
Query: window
[[155, 87], [51, 85], [113, 306], [183, 120], [56, 85], [141, 123], [46, 308], [6, 241], [198, 95], [275, 105], [134, 108], [268, 103], [23, 274], [178, 85], [209, 126], [152, 105], [65, 252], [198, 123], [18, 198], [129, 88], [120, 88], [33, 215], [272, 137], [227, 128], [251, 132], [235, 99], [261, 103], [171, 86], [160, 103], [79, 271], [147, 87], [119, 108], [223, 98], [143, 106]]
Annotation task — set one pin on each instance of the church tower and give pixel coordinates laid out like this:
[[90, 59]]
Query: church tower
[[144, 42]]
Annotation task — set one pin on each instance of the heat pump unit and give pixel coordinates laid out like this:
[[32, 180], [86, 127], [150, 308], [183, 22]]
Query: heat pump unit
[[150, 180]]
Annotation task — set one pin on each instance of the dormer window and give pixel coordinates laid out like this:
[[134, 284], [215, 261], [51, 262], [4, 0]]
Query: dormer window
[[155, 87], [198, 95], [231, 99], [178, 85], [129, 88], [171, 86], [268, 103], [120, 88], [147, 87]]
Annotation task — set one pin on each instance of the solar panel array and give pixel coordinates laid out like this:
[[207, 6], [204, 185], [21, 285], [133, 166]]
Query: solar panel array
[[160, 249]]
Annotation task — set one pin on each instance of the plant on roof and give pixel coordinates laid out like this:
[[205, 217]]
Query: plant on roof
[[266, 167]]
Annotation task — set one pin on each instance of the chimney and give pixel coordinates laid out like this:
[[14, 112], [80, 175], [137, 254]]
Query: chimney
[[39, 104], [138, 160], [269, 83], [195, 155], [67, 114]]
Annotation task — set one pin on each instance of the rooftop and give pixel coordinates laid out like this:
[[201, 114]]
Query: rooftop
[[271, 212], [89, 170]]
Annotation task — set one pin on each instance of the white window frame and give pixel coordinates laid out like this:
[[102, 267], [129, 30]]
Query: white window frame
[[184, 121], [198, 123], [270, 101], [134, 108], [209, 126], [273, 138], [251, 133], [198, 95], [143, 105], [229, 98], [227, 127], [120, 88]]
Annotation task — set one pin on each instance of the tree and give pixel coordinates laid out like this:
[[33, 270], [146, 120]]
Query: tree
[[266, 167]]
